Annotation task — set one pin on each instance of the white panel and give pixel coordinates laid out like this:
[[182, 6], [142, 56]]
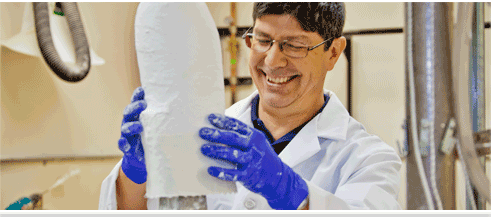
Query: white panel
[[41, 115], [460, 186], [359, 15], [336, 80], [367, 15], [221, 10], [244, 11], [378, 97], [10, 18], [402, 195], [487, 12]]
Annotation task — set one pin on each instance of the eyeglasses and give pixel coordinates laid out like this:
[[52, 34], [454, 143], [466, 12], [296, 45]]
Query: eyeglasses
[[291, 49]]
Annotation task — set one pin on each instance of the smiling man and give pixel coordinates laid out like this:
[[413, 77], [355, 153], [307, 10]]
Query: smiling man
[[290, 74], [293, 143]]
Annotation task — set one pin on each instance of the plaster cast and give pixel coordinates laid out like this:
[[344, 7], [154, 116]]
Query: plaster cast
[[179, 57]]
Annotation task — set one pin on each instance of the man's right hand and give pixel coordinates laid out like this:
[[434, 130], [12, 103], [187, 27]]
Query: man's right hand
[[130, 142]]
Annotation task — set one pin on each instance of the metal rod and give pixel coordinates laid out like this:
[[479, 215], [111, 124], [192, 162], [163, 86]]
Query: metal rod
[[477, 81], [348, 55], [233, 45]]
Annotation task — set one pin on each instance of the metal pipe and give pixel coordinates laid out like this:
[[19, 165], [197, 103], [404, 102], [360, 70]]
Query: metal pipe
[[411, 109], [430, 37], [477, 80], [477, 69], [430, 56]]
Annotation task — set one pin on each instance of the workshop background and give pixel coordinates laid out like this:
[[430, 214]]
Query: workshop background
[[51, 128]]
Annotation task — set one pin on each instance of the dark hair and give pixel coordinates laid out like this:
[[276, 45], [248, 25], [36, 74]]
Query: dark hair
[[325, 18]]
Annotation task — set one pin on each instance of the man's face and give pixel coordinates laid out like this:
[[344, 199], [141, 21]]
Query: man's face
[[269, 70]]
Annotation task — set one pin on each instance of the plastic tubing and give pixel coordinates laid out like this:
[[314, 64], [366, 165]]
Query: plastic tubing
[[47, 47]]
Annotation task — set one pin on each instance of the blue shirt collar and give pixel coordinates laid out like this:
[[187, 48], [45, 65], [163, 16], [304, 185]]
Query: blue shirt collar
[[258, 124]]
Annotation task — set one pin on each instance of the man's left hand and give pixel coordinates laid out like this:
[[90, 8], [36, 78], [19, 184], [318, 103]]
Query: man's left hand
[[258, 167]]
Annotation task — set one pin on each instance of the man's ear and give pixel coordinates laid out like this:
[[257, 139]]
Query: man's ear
[[335, 51]]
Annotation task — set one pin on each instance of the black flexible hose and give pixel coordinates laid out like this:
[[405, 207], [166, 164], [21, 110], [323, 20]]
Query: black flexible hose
[[45, 41]]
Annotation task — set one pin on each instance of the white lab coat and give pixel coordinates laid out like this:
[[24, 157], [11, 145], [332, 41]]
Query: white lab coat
[[344, 166]]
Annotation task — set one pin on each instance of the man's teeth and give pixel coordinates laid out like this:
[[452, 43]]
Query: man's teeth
[[278, 80]]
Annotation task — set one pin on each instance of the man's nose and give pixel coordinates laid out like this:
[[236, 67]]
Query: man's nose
[[274, 57]]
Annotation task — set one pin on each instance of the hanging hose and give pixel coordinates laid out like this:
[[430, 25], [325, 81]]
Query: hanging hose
[[45, 41], [461, 52]]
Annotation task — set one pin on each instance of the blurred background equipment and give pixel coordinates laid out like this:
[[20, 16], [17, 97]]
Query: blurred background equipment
[[233, 49], [35, 201], [42, 19], [439, 64], [57, 36]]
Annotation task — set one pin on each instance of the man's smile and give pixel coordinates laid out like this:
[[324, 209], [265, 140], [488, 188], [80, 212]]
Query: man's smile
[[278, 80]]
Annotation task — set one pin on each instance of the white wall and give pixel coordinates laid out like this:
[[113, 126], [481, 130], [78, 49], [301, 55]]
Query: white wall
[[44, 117], [77, 119]]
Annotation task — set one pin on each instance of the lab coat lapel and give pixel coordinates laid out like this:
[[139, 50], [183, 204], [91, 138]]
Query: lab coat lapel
[[242, 109], [304, 145], [246, 117], [331, 123]]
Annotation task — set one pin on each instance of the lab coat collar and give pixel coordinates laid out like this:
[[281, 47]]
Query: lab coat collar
[[331, 123], [242, 109], [333, 120], [304, 145]]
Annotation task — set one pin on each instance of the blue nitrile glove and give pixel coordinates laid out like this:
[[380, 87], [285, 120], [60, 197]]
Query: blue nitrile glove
[[130, 142], [258, 167]]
